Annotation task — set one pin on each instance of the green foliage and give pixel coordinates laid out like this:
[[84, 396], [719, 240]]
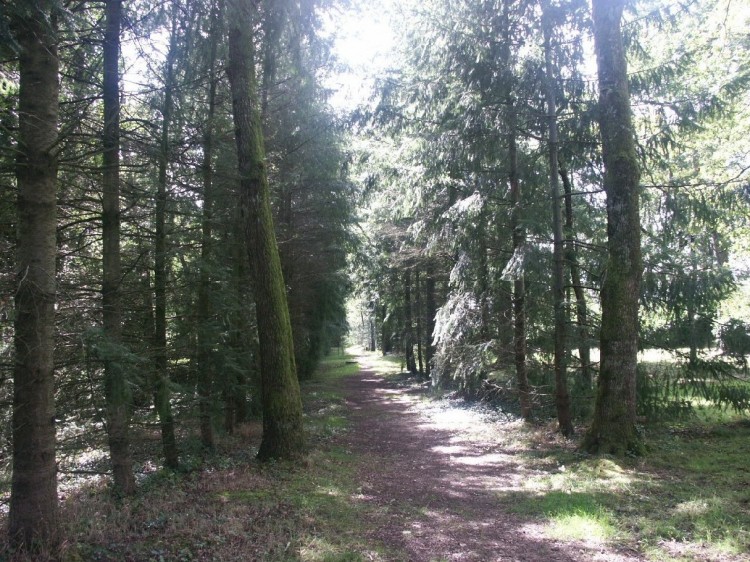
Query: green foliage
[[735, 339], [661, 392], [675, 390]]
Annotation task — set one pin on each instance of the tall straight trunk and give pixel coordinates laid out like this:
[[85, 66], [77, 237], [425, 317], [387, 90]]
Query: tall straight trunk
[[115, 383], [571, 256], [161, 387], [418, 303], [519, 282], [429, 313], [272, 27], [518, 231], [33, 516], [562, 397], [613, 429], [408, 333], [206, 369], [385, 330], [236, 380], [280, 395]]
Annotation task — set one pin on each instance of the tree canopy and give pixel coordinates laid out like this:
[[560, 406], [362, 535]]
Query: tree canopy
[[540, 203]]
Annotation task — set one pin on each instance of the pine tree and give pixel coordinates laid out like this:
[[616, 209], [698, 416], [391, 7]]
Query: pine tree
[[116, 386], [280, 395], [33, 519], [613, 429]]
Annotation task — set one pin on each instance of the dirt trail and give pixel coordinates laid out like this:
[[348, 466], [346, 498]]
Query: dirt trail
[[436, 475]]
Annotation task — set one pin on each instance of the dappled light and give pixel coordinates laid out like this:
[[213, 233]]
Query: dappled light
[[468, 463], [390, 280]]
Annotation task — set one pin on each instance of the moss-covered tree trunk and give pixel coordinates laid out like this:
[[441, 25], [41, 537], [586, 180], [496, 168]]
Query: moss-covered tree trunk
[[280, 395], [613, 429], [33, 516], [115, 383]]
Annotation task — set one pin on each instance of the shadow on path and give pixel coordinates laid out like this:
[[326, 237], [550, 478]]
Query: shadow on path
[[437, 489]]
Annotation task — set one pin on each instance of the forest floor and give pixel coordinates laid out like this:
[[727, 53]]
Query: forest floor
[[447, 477], [397, 473], [443, 479]]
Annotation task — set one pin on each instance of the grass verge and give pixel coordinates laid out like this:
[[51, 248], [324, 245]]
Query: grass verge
[[688, 500]]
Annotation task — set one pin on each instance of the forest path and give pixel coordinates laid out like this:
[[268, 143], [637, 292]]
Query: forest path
[[440, 477]]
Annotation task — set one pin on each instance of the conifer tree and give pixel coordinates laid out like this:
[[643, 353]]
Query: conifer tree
[[280, 395], [33, 519], [116, 388], [613, 429]]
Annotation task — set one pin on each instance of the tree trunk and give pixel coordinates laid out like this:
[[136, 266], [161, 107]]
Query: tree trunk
[[504, 314], [115, 382], [613, 429], [408, 333], [418, 303], [281, 402], [584, 352], [206, 368], [385, 329], [240, 328], [161, 387], [272, 27], [430, 313], [33, 519], [562, 397], [519, 282]]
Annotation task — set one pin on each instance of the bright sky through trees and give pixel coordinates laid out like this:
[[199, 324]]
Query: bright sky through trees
[[363, 42]]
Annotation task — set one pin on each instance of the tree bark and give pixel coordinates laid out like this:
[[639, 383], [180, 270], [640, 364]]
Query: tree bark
[[161, 388], [235, 383], [613, 429], [115, 382], [584, 350], [562, 397], [430, 313], [408, 333], [418, 303], [33, 519], [206, 368], [281, 402], [519, 282]]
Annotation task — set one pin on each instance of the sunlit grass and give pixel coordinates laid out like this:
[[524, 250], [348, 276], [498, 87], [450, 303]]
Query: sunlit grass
[[688, 499], [386, 365], [581, 526]]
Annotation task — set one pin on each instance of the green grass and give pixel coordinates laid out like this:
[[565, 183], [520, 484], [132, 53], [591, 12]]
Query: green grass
[[688, 499], [384, 365]]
